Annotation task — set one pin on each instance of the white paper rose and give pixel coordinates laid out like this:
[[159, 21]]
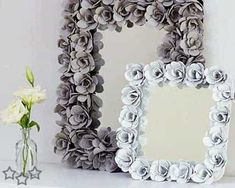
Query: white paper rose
[[134, 74], [214, 75], [124, 158], [175, 73], [32, 95], [223, 93], [215, 160], [181, 172], [154, 72], [216, 137], [126, 137], [202, 174], [159, 170], [131, 95], [130, 116], [194, 74], [140, 169], [219, 115], [14, 112]]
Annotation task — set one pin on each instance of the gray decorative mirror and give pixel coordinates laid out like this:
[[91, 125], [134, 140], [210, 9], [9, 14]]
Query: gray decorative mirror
[[133, 157]]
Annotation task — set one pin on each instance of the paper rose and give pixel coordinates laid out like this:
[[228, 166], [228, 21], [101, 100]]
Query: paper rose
[[86, 19], [61, 141], [175, 73], [191, 23], [85, 83], [124, 158], [181, 172], [166, 3], [108, 2], [78, 117], [166, 50], [154, 72], [82, 41], [14, 112], [121, 13], [214, 75], [159, 170], [137, 14], [215, 160], [202, 175], [223, 93], [140, 169], [156, 14], [90, 4], [126, 137], [134, 74], [192, 7], [215, 137], [64, 93], [131, 95], [173, 15], [192, 43], [219, 115], [130, 116], [195, 74]]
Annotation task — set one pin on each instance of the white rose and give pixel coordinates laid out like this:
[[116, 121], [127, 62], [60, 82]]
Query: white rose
[[219, 115], [159, 170], [223, 93], [32, 95], [202, 174], [175, 73], [215, 75], [126, 137], [195, 74], [215, 159], [131, 95], [134, 74], [181, 172], [215, 137], [154, 72], [14, 112], [140, 169], [124, 158]]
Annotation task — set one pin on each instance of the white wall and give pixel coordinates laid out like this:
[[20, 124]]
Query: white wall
[[28, 36]]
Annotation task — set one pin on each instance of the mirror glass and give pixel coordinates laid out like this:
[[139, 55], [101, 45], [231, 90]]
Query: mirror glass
[[177, 120], [131, 45]]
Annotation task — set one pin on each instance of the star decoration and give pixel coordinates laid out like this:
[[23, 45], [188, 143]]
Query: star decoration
[[9, 173], [35, 173], [21, 179]]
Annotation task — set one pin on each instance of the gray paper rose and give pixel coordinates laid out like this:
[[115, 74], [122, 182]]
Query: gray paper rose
[[124, 158], [192, 43], [219, 115], [121, 13], [155, 72], [166, 3], [137, 14], [83, 63], [82, 42], [181, 172], [195, 74], [85, 83], [223, 93], [131, 95], [134, 74], [78, 117], [130, 116], [61, 141], [140, 169], [166, 50], [104, 16], [108, 2], [175, 73], [156, 14], [86, 19], [90, 4], [143, 2], [173, 15], [216, 137], [192, 7], [215, 160], [215, 75], [126, 137], [64, 93], [202, 174], [191, 23], [159, 170]]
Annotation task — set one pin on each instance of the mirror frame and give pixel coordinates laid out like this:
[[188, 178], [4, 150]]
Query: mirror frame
[[135, 96]]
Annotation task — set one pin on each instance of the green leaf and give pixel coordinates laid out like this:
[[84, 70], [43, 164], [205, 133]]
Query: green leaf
[[33, 123], [24, 121], [30, 76]]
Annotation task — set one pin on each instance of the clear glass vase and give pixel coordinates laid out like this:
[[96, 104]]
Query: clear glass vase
[[26, 153]]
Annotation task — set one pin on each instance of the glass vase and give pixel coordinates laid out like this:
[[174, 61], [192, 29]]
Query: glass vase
[[26, 153]]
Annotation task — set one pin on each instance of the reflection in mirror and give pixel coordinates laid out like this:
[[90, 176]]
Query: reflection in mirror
[[177, 120], [131, 45]]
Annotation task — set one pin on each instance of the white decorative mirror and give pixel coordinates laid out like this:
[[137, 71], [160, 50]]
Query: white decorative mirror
[[135, 133]]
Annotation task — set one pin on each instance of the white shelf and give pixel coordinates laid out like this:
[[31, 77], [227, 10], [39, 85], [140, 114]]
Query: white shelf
[[58, 176]]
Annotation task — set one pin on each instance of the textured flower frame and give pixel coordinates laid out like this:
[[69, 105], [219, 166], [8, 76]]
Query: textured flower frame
[[135, 97], [81, 144]]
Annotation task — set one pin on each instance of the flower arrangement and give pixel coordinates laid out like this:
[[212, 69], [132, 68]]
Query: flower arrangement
[[19, 112]]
